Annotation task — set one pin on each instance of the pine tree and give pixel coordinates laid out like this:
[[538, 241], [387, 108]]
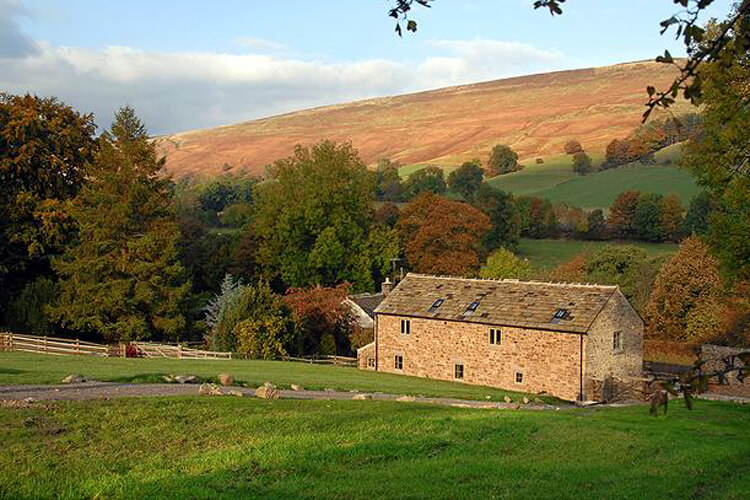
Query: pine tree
[[123, 280]]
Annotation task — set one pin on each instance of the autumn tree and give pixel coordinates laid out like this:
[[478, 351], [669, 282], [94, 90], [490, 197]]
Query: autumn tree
[[597, 229], [621, 218], [316, 312], [426, 179], [537, 217], [502, 263], [687, 292], [671, 217], [386, 215], [502, 160], [313, 219], [572, 271], [442, 236], [503, 214], [45, 147], [465, 180], [123, 280], [572, 147]]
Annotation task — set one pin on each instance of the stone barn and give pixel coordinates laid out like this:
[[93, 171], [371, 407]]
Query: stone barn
[[566, 340]]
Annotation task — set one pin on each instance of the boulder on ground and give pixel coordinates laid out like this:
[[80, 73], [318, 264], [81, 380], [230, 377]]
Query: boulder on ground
[[362, 396], [329, 389], [235, 392], [186, 379], [73, 379], [209, 390], [225, 379], [526, 400], [507, 399], [296, 387], [539, 401], [267, 391], [169, 379], [406, 399]]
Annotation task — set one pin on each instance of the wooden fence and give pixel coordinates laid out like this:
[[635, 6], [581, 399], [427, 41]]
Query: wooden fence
[[324, 360], [52, 345], [156, 350]]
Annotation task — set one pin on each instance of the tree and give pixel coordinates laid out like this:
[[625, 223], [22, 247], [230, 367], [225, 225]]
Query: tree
[[26, 311], [581, 163], [123, 280], [318, 312], [423, 180], [537, 217], [616, 265], [264, 329], [466, 179], [572, 271], [647, 218], [386, 215], [720, 159], [622, 214], [502, 161], [616, 154], [572, 147], [597, 225], [697, 216], [503, 263], [313, 218], [687, 290], [45, 147], [388, 182], [503, 214], [442, 236], [671, 217]]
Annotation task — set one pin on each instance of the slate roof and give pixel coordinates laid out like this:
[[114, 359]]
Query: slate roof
[[367, 301], [526, 304]]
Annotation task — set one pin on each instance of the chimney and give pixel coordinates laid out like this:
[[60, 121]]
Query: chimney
[[386, 287]]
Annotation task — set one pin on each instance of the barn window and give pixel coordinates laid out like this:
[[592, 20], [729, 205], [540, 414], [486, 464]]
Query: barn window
[[617, 341], [405, 326], [399, 364], [495, 336], [519, 377], [371, 362], [458, 371]]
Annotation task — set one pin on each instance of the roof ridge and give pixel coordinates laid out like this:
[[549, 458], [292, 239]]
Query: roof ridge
[[513, 280]]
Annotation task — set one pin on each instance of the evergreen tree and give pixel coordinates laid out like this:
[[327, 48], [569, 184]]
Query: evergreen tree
[[123, 280]]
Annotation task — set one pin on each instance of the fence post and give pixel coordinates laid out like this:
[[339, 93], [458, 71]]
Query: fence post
[[179, 351], [78, 348], [45, 343]]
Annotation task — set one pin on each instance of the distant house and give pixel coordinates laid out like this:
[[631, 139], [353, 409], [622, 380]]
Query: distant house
[[561, 339]]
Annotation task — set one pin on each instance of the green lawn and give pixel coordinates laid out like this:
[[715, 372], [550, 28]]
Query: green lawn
[[23, 368], [228, 448], [544, 254], [534, 178]]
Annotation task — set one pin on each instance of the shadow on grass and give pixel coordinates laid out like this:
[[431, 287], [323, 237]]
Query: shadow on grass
[[11, 371]]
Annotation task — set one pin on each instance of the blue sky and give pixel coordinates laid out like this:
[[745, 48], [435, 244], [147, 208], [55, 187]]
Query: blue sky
[[191, 64]]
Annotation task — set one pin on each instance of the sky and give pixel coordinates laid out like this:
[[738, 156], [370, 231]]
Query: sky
[[187, 64]]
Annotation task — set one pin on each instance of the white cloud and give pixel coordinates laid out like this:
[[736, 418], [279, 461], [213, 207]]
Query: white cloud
[[174, 91]]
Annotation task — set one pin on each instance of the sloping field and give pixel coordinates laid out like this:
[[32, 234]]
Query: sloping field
[[534, 114]]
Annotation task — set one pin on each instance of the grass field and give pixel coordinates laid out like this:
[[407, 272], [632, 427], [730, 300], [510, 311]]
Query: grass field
[[544, 254], [23, 368], [227, 448]]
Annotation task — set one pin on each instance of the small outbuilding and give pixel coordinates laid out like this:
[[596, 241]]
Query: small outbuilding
[[566, 340]]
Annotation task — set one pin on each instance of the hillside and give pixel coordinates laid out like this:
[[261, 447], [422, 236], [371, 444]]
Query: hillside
[[534, 114]]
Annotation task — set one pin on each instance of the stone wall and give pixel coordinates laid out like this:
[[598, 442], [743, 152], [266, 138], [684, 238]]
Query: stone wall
[[548, 361], [623, 366], [366, 357], [713, 358]]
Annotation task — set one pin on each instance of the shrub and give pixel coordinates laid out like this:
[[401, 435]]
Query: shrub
[[581, 163]]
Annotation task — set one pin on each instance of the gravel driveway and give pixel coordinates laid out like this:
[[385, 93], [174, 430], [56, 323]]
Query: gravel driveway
[[106, 390]]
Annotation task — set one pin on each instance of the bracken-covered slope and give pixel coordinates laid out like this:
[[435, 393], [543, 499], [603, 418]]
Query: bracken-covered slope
[[533, 114]]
